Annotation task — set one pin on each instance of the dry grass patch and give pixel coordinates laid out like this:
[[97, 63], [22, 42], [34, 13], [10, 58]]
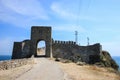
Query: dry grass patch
[[88, 72], [12, 74]]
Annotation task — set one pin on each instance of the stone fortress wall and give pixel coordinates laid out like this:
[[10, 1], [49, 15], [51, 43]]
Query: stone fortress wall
[[70, 50], [21, 50], [61, 49]]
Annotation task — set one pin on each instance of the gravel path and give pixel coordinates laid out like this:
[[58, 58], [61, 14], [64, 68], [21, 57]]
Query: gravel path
[[44, 69]]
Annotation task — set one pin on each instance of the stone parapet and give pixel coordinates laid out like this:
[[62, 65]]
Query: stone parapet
[[63, 42]]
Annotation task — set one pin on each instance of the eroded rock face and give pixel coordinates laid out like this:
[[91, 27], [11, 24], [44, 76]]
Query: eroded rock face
[[107, 61]]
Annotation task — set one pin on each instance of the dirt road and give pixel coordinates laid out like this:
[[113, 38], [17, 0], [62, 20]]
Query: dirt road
[[44, 69]]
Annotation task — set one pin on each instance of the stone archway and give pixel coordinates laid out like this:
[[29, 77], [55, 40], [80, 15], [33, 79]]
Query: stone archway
[[41, 48], [39, 33]]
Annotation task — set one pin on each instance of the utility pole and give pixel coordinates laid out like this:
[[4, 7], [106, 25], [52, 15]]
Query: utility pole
[[87, 40], [76, 37]]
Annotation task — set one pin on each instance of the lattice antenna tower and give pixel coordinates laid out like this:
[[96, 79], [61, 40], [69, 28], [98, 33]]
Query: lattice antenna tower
[[88, 41], [76, 37]]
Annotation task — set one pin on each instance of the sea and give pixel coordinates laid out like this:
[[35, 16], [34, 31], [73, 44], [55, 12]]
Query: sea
[[8, 57], [117, 60], [5, 57]]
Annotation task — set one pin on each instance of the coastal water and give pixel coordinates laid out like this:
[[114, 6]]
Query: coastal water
[[5, 57], [117, 59]]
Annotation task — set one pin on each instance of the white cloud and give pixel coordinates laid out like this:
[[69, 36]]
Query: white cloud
[[30, 8], [62, 11], [21, 12], [70, 11], [69, 28]]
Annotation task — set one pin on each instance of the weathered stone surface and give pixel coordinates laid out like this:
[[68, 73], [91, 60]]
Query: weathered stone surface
[[17, 50], [80, 63], [62, 60], [21, 50], [8, 64], [107, 61], [27, 48], [39, 33], [75, 53]]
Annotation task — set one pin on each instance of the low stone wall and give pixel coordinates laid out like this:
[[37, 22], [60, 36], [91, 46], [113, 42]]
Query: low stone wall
[[9, 64]]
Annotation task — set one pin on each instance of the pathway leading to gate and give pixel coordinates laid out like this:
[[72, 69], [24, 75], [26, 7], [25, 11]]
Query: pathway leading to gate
[[44, 69]]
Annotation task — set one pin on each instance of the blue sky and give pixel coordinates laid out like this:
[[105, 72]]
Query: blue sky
[[97, 19]]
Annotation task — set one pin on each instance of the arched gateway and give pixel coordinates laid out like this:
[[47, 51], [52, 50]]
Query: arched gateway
[[27, 48], [40, 34]]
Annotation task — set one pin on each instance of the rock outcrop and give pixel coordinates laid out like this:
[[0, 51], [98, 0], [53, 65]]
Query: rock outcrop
[[107, 61]]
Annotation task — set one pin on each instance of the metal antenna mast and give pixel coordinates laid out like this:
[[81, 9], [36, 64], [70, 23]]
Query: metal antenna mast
[[76, 37], [87, 40]]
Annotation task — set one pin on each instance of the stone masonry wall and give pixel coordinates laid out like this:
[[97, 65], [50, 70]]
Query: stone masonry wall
[[39, 33], [70, 50], [26, 49], [21, 50], [9, 64], [17, 50]]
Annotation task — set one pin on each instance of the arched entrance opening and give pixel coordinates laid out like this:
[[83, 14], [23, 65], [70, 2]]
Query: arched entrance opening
[[41, 49], [39, 33]]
